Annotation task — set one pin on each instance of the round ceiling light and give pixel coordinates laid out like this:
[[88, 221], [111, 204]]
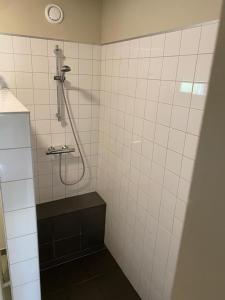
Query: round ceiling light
[[53, 13]]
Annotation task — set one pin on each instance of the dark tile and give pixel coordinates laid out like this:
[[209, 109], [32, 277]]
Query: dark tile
[[68, 205], [95, 277], [70, 228]]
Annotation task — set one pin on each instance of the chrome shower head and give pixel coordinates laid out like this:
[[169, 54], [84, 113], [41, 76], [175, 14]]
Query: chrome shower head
[[65, 69]]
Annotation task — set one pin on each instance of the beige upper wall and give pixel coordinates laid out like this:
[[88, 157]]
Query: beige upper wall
[[95, 21], [124, 19], [82, 20], [201, 267]]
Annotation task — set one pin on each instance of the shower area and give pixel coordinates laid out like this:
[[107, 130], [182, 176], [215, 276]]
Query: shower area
[[114, 134]]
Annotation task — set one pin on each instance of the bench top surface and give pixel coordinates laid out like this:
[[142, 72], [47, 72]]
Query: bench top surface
[[68, 205]]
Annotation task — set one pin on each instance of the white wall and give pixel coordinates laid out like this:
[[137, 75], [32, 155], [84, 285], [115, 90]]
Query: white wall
[[153, 92], [152, 101], [17, 189], [27, 67]]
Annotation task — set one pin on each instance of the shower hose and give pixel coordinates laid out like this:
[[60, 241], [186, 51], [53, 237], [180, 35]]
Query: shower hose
[[76, 141]]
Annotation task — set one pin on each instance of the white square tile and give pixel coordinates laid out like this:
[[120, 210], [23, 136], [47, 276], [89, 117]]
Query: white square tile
[[187, 168], [85, 82], [195, 121], [25, 96], [203, 68], [166, 92], [40, 81], [155, 198], [191, 144], [157, 173], [179, 118], [21, 45], [144, 47], [41, 96], [97, 68], [43, 141], [40, 64], [7, 80], [42, 126], [6, 44], [132, 68], [180, 210], [173, 255], [97, 51], [153, 90], [42, 112], [190, 41], [15, 131], [168, 206], [56, 127], [6, 62], [208, 38], [22, 63], [16, 164], [159, 154], [186, 68], [138, 126], [148, 130], [176, 140], [199, 95], [20, 222], [171, 181], [22, 248], [143, 67], [183, 93], [71, 50], [178, 228], [157, 46], [85, 66], [172, 43], [162, 245], [52, 48], [84, 111], [85, 51], [161, 135], [165, 219], [39, 47], [134, 48], [147, 149], [24, 272], [164, 113], [24, 80], [28, 291], [169, 69], [18, 194], [151, 111], [183, 189], [173, 161], [155, 68], [141, 88]]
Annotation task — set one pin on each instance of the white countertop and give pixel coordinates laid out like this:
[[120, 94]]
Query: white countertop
[[10, 104]]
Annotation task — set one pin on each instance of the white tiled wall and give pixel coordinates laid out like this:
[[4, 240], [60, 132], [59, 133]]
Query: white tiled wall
[[17, 195], [152, 98], [27, 67]]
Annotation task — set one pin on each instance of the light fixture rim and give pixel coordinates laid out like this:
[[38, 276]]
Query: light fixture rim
[[47, 9]]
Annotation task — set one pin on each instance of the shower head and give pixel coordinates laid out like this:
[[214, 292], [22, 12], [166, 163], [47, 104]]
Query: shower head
[[65, 69]]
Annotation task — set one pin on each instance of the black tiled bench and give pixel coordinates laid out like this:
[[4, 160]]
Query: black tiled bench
[[70, 228]]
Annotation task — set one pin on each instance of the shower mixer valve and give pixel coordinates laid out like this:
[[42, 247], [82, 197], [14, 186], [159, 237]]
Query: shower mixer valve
[[60, 150]]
